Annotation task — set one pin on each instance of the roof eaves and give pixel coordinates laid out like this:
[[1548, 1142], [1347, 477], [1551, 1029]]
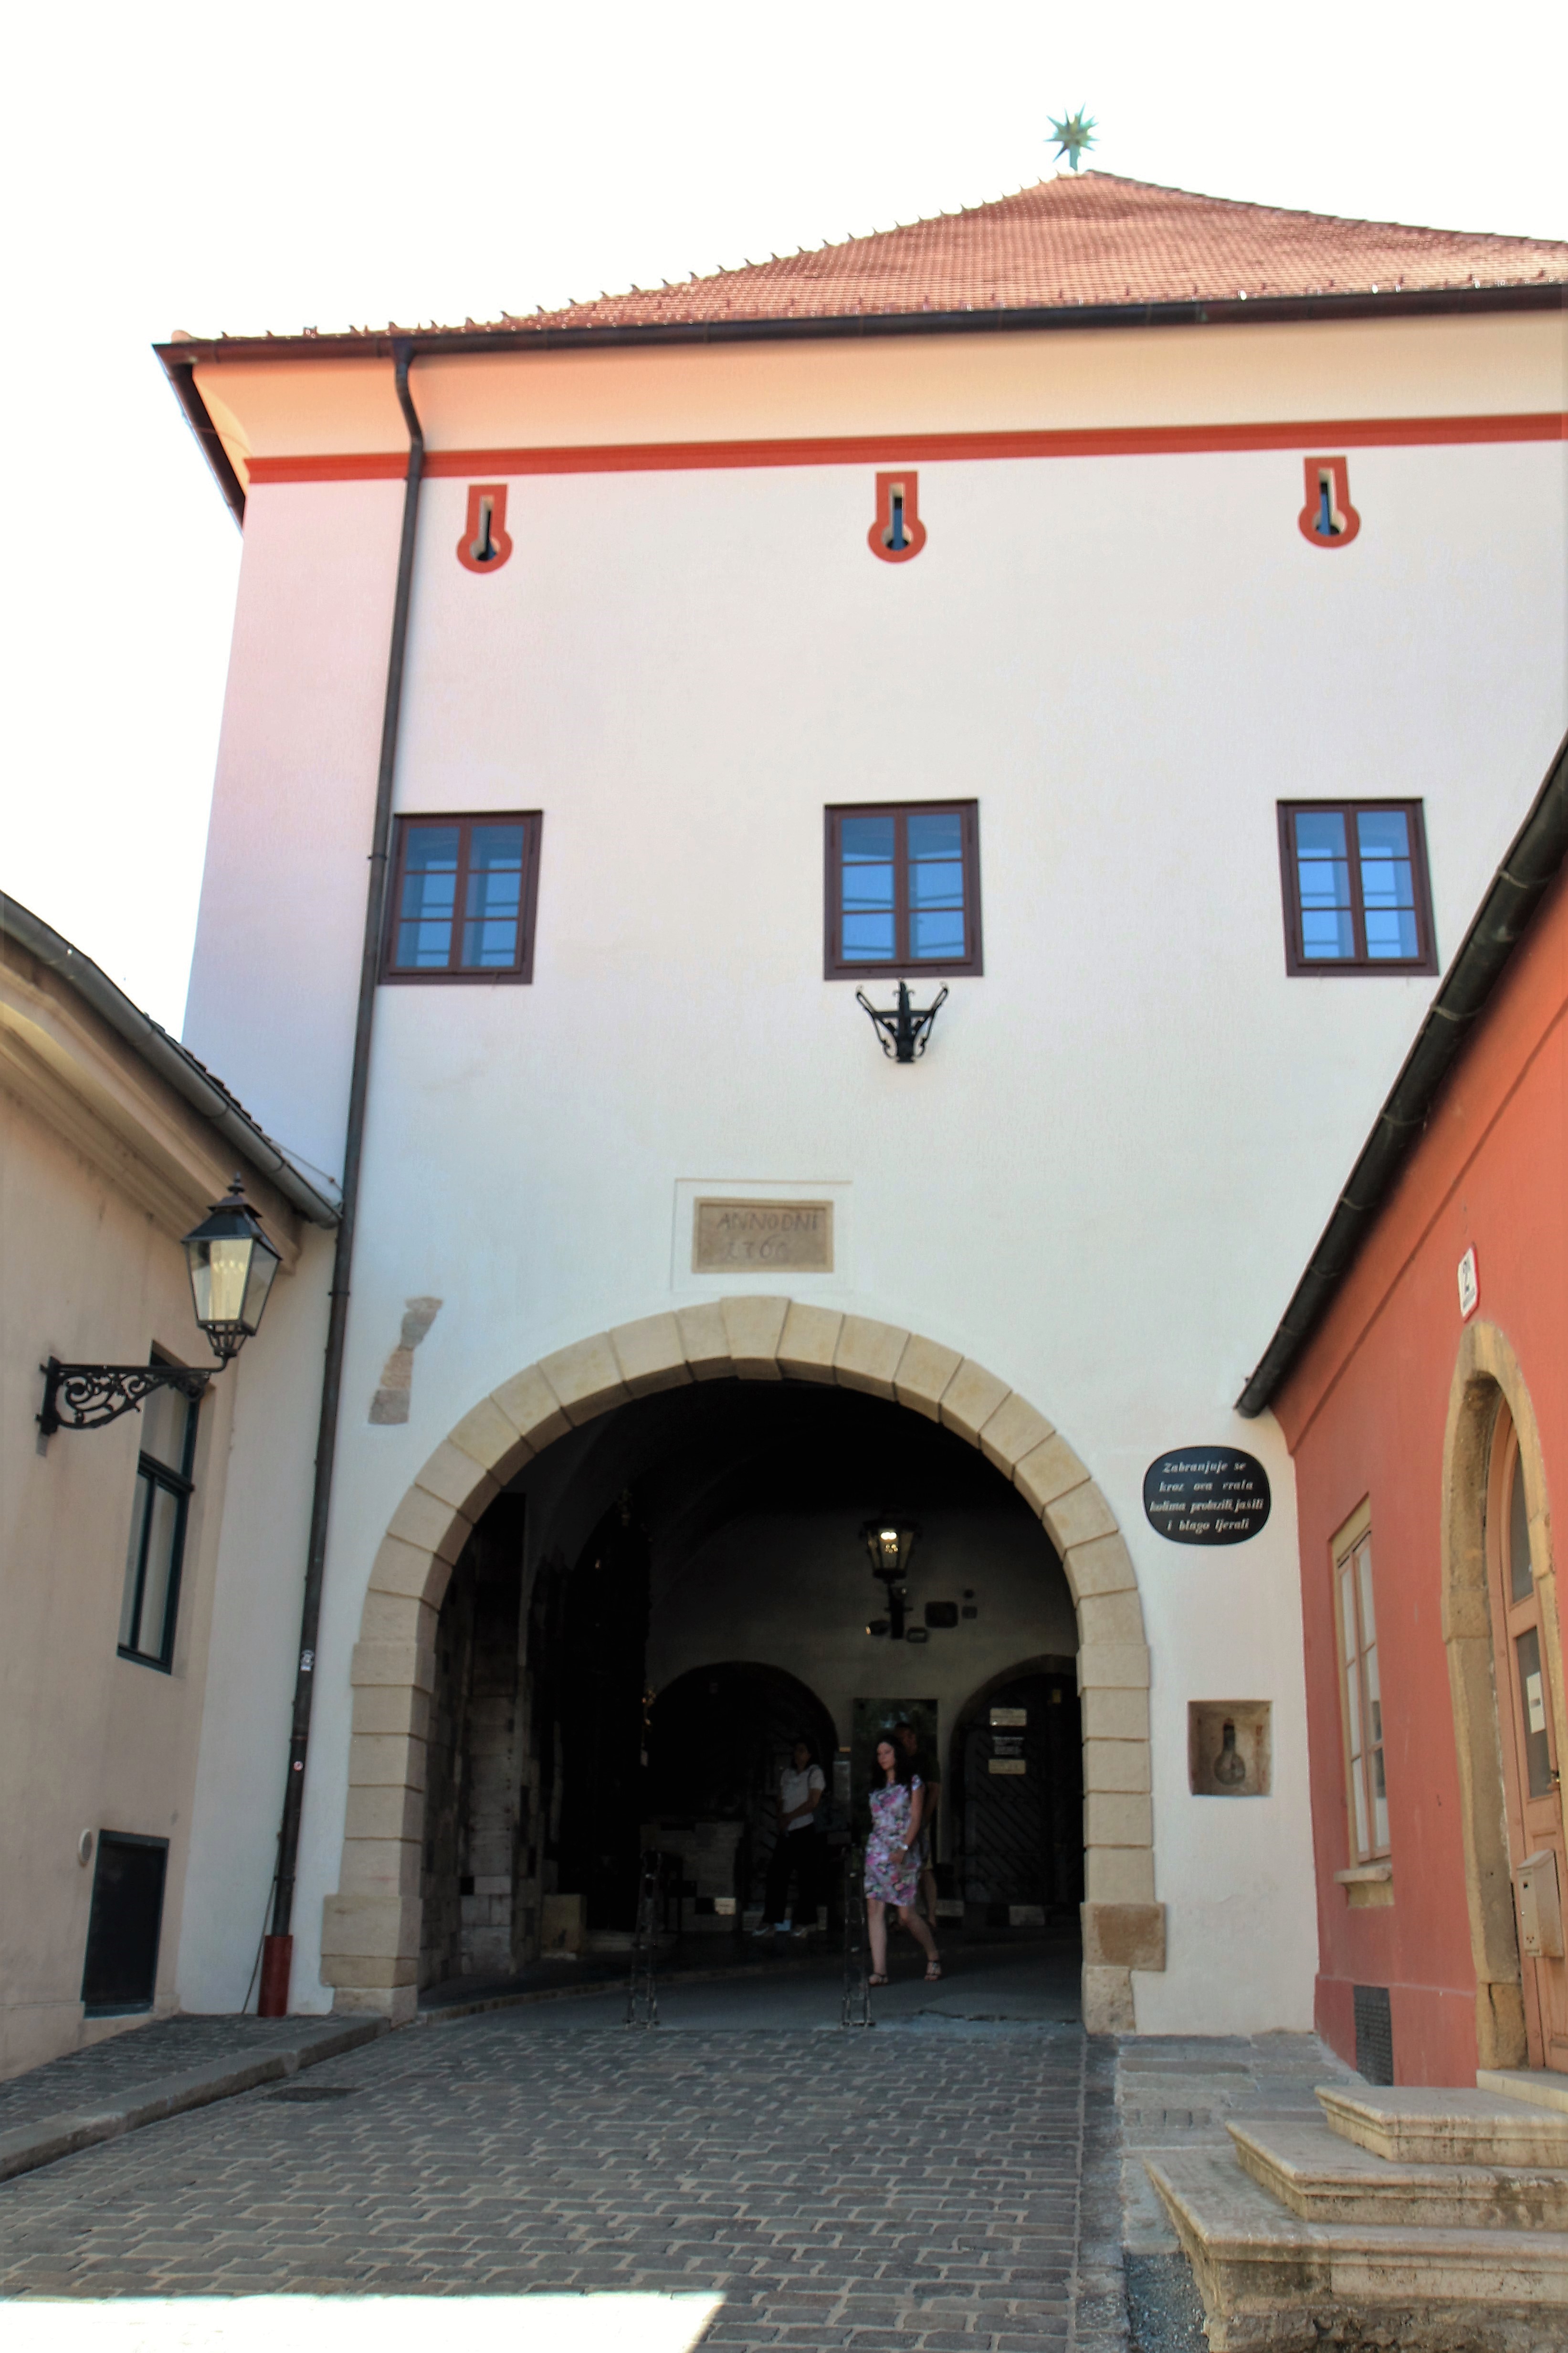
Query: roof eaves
[[312, 1194]]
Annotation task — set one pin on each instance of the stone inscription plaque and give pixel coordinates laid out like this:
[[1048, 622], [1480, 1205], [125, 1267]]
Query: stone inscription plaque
[[768, 1237], [1207, 1495]]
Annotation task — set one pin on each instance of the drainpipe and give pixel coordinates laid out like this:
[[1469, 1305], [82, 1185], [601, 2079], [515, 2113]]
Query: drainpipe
[[277, 1947]]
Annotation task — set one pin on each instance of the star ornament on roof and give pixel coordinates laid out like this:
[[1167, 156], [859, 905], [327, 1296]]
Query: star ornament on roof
[[1072, 135]]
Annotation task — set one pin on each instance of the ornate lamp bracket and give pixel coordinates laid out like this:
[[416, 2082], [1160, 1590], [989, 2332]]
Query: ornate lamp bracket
[[86, 1396], [904, 1029]]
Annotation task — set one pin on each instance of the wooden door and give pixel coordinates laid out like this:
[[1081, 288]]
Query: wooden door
[[1525, 1677]]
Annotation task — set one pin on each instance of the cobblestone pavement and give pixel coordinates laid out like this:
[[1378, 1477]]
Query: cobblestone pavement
[[911, 2189], [107, 2069]]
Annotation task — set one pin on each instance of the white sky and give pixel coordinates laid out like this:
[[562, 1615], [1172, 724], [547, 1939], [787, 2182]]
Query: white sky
[[184, 165]]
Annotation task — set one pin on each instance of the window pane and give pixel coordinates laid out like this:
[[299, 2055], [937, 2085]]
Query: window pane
[[1347, 1611], [1323, 882], [1387, 883], [1532, 1699], [936, 884], [163, 1556], [165, 1419], [1521, 1577], [129, 1614], [866, 872], [428, 904], [492, 910], [1363, 1571]]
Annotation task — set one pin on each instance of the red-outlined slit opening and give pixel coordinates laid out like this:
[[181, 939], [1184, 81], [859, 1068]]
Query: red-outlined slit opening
[[485, 546], [1328, 519], [898, 533]]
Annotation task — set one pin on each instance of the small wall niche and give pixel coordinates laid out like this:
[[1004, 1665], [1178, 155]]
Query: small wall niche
[[1230, 1747]]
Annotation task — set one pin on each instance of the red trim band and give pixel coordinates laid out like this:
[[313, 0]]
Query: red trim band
[[923, 448]]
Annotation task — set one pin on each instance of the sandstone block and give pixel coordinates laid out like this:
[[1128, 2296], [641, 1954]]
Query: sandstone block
[[752, 1328], [807, 1343], [704, 1341], [398, 2005], [868, 1354], [361, 1970], [421, 1519], [385, 1812], [455, 1478], [1103, 1566], [1113, 1818], [397, 1708], [1047, 1471], [387, 1867], [371, 1927], [1113, 1666], [403, 1568], [1116, 1765], [394, 1662], [585, 1377], [1119, 1874], [650, 1355], [397, 1618], [1115, 1714], [387, 1759], [1111, 1617], [970, 1400], [1107, 2002], [493, 1441], [533, 1407], [1123, 1935], [1078, 1517], [1014, 1430], [925, 1368]]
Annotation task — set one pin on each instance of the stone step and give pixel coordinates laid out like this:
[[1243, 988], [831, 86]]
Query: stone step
[[1323, 2177], [1273, 2284], [1411, 2124], [1539, 2086]]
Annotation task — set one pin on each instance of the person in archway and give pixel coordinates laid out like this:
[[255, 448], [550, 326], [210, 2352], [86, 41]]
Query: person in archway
[[927, 1771], [796, 1851], [892, 1858]]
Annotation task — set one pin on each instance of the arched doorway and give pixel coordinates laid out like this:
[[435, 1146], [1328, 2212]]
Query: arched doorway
[[1016, 1784], [1502, 1631], [372, 1926]]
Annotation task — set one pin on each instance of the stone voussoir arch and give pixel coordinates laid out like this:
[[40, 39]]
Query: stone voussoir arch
[[371, 1929]]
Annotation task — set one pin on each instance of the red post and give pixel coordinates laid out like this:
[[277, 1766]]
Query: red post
[[276, 1958]]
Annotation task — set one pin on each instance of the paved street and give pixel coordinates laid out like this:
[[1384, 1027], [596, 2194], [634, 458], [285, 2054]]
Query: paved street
[[918, 2186]]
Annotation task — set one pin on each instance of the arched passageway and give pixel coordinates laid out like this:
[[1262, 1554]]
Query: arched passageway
[[589, 1440]]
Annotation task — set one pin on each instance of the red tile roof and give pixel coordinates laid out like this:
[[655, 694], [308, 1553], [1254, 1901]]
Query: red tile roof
[[1083, 239]]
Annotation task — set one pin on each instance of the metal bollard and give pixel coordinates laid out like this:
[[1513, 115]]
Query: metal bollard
[[642, 1994], [856, 2007]]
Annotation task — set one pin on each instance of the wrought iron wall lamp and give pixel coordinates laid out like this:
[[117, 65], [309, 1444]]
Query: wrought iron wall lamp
[[231, 1265], [904, 1029], [889, 1543]]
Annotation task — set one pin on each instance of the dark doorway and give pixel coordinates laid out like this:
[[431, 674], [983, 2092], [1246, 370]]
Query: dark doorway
[[603, 1648], [120, 1974], [718, 1737], [1017, 1765]]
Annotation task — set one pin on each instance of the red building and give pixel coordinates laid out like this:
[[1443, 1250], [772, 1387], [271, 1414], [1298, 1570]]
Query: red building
[[1421, 1378]]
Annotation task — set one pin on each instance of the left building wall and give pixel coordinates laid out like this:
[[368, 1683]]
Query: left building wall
[[102, 1168]]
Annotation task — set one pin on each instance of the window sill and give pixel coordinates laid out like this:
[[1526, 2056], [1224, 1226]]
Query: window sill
[[1367, 1884]]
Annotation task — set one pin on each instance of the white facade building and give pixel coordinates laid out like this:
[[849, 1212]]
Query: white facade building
[[1122, 643]]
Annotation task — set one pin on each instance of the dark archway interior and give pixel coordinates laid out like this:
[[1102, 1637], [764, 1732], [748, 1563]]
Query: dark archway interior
[[642, 1623]]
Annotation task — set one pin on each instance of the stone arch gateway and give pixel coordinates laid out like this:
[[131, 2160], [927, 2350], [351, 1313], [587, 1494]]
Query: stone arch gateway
[[371, 1929]]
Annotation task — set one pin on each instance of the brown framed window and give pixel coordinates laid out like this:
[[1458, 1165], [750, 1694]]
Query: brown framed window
[[1357, 897], [464, 891], [1360, 1690], [904, 889]]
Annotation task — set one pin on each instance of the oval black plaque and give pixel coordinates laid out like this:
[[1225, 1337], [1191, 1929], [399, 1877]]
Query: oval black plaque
[[1207, 1495]]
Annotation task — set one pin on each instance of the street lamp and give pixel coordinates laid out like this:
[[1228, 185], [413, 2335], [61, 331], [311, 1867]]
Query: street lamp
[[231, 1265], [891, 1542]]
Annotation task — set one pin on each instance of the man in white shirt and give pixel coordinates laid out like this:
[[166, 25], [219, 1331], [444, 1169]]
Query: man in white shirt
[[796, 1853]]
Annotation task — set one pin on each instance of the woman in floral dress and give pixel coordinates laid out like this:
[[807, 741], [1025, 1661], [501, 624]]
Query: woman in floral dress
[[893, 1860]]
